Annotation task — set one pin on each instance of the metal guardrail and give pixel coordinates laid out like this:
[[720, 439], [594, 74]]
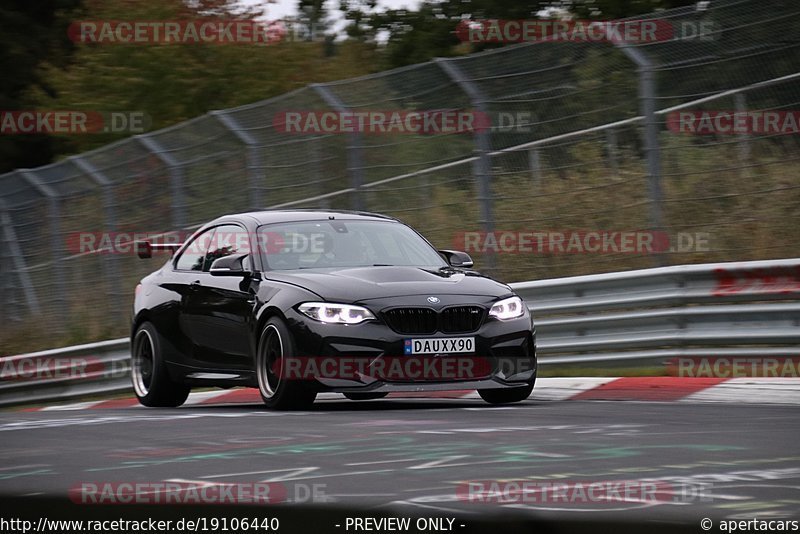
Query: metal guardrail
[[743, 309], [747, 309], [100, 368]]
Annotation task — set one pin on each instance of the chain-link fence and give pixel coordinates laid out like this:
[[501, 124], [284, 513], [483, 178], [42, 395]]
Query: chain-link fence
[[589, 142]]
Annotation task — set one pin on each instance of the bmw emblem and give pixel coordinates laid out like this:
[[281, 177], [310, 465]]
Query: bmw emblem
[[433, 300]]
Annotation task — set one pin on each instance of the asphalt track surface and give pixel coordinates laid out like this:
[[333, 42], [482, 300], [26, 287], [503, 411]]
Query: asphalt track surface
[[412, 455]]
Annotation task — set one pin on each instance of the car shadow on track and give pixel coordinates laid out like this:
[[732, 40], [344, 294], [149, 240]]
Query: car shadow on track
[[376, 405]]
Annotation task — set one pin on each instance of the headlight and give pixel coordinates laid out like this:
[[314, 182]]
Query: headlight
[[508, 308], [335, 313]]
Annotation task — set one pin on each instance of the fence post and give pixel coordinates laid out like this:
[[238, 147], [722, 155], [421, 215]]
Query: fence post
[[482, 166], [56, 240], [255, 166], [355, 162], [14, 251], [647, 104], [175, 178]]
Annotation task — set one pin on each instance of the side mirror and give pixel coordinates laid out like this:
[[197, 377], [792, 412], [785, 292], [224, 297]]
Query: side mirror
[[144, 249], [231, 265], [456, 258]]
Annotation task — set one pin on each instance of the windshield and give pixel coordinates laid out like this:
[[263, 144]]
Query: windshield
[[344, 243]]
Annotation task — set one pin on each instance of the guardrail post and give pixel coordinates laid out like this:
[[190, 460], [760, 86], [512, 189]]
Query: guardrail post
[[176, 178], [109, 264], [255, 166], [355, 164], [647, 104], [482, 166], [14, 254], [56, 239]]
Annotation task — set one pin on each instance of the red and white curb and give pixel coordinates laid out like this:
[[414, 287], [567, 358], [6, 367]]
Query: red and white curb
[[658, 389]]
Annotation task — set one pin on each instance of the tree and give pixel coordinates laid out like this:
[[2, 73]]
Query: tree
[[175, 82], [32, 35], [314, 17], [414, 36]]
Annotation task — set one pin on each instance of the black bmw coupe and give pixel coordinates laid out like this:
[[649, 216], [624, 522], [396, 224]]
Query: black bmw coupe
[[301, 302]]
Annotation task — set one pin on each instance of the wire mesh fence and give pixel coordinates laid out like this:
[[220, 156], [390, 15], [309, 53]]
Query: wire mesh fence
[[590, 157]]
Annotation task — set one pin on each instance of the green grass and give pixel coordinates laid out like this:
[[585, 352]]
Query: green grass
[[548, 371]]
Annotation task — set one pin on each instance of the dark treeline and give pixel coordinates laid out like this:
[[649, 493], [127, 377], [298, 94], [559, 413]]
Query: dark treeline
[[43, 69]]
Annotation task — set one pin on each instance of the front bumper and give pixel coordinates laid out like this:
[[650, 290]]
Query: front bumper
[[379, 386], [507, 350]]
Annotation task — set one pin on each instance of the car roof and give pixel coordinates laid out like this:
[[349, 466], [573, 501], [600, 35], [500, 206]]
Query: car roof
[[278, 216]]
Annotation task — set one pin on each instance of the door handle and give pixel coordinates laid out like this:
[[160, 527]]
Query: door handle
[[195, 285]]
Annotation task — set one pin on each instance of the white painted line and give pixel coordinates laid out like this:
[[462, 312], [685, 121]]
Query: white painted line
[[384, 462], [23, 466], [773, 383], [203, 396], [245, 473], [755, 390], [353, 473], [69, 407], [360, 494], [439, 462], [562, 388], [431, 507]]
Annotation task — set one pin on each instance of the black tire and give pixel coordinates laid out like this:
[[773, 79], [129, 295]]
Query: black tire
[[366, 396], [506, 396], [278, 393], [151, 382]]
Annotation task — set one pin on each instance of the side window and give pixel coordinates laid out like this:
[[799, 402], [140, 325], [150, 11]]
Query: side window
[[228, 239], [193, 256]]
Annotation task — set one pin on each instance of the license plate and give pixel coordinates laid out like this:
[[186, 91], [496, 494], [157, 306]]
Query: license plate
[[439, 345]]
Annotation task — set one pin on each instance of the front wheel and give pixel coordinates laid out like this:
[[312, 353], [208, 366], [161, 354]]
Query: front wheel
[[506, 396], [151, 382], [277, 390]]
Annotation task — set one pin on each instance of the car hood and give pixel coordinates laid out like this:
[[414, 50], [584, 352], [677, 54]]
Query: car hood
[[365, 283]]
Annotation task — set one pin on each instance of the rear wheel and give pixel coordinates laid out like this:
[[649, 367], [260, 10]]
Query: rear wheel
[[277, 391], [151, 382], [365, 396], [506, 396]]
